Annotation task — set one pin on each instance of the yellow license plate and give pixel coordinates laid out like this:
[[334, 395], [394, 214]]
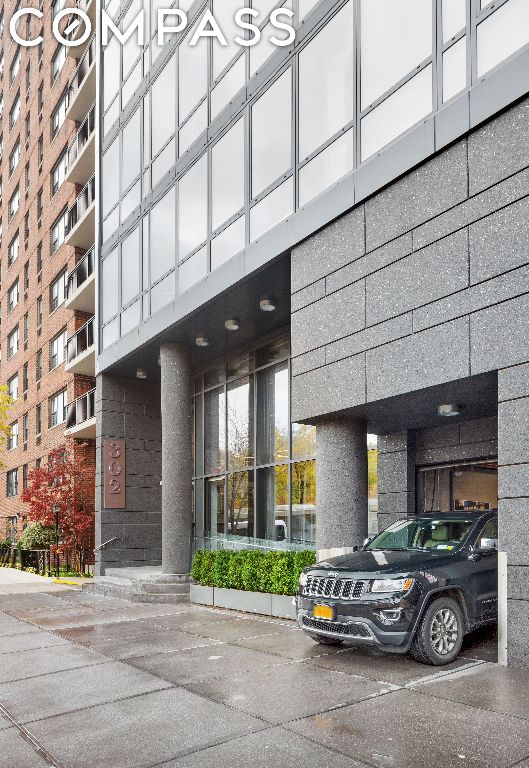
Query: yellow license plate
[[323, 612]]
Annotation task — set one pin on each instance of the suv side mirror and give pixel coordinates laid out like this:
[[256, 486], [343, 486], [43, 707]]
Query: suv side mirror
[[368, 540], [488, 545]]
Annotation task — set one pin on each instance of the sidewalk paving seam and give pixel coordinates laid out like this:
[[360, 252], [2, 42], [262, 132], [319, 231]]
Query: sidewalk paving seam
[[35, 744]]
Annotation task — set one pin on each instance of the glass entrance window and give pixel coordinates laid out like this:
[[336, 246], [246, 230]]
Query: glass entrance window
[[257, 470], [461, 487]]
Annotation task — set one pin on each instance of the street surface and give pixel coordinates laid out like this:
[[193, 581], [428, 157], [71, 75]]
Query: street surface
[[94, 682]]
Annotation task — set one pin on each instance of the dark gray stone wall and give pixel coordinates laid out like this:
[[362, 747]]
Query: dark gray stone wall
[[513, 483], [424, 283], [130, 409]]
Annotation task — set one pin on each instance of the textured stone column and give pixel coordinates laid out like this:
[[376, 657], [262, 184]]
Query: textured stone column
[[176, 459], [341, 485]]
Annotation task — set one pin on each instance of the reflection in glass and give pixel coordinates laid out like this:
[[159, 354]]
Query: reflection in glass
[[214, 427], [228, 87], [454, 18], [109, 286], [455, 69], [272, 209], [326, 168], [271, 134], [240, 424], [130, 267], [227, 171], [163, 246], [502, 34], [198, 437], [272, 503], [192, 208], [240, 504], [272, 414], [303, 441], [214, 522], [304, 503], [326, 82], [163, 106], [228, 243], [130, 166]]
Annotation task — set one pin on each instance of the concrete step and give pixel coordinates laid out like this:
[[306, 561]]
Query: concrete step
[[152, 588], [109, 588]]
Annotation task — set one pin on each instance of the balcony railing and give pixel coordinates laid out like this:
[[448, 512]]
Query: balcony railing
[[81, 272], [80, 341], [81, 409], [80, 73], [82, 136], [81, 205]]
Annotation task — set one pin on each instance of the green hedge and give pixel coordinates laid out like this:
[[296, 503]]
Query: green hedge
[[251, 570]]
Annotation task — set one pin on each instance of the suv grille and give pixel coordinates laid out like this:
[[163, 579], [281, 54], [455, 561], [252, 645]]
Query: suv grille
[[352, 630], [344, 589]]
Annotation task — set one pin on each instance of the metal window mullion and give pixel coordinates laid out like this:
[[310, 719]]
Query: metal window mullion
[[437, 56], [247, 181], [357, 57], [474, 12]]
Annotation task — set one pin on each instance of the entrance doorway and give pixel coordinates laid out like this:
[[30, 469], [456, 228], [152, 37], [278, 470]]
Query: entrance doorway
[[463, 486]]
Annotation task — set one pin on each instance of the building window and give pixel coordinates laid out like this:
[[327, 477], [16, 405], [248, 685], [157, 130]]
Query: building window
[[26, 178], [13, 250], [39, 258], [254, 471], [40, 204], [40, 149], [58, 291], [40, 98], [25, 476], [25, 427], [39, 311], [58, 349], [28, 76], [26, 275], [14, 112], [27, 127], [26, 226], [12, 343], [14, 157], [59, 57], [14, 69], [58, 115], [58, 408], [12, 387], [26, 327], [14, 203], [58, 173], [58, 230], [12, 296], [25, 377], [12, 483], [12, 439], [38, 420]]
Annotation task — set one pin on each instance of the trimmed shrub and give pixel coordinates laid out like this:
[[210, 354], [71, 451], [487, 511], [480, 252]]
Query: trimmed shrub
[[275, 572]]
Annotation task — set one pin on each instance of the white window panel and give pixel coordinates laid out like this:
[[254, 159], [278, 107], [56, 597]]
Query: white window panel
[[227, 159], [197, 124], [111, 63], [192, 75], [224, 12], [262, 50], [193, 270], [228, 243], [272, 209], [192, 208], [502, 34], [454, 18], [163, 293], [455, 69], [397, 113], [326, 82], [111, 177], [109, 286], [130, 318], [305, 7], [163, 106], [272, 134], [228, 87], [395, 38], [327, 168], [130, 267], [111, 333]]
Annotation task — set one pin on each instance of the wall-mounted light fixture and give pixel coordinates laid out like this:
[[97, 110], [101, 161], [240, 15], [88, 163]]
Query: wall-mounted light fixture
[[202, 341], [233, 324], [141, 373], [449, 409]]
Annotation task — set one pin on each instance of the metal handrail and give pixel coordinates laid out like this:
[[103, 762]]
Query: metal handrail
[[85, 62], [82, 409], [81, 272], [82, 340], [82, 203], [101, 546], [85, 131]]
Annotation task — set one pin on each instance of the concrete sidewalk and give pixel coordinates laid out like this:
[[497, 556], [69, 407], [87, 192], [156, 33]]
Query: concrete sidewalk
[[94, 682], [13, 581]]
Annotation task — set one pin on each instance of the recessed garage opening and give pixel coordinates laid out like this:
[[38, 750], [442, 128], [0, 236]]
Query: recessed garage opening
[[462, 486]]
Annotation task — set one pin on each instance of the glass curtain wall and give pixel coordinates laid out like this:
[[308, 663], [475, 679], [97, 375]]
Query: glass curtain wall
[[255, 474], [247, 136]]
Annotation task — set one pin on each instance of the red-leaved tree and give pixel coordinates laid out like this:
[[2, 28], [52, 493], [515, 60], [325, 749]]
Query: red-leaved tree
[[65, 485]]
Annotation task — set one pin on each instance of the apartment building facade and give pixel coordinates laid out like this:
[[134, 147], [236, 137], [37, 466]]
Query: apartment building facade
[[41, 257], [305, 245]]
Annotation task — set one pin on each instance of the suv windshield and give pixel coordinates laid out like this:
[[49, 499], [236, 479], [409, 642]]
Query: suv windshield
[[432, 534]]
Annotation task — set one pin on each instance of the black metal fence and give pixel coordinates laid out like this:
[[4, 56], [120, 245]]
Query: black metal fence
[[44, 561]]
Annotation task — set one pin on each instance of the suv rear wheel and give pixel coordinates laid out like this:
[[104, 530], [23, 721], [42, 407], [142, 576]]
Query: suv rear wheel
[[440, 633]]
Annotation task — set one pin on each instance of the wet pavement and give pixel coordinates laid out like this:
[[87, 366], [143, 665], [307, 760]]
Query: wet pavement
[[91, 682]]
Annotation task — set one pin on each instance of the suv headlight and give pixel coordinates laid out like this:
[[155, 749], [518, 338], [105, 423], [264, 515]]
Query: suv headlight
[[303, 579], [391, 585]]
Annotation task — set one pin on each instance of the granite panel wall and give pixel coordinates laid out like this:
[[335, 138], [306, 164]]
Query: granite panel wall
[[129, 409], [424, 283], [513, 482]]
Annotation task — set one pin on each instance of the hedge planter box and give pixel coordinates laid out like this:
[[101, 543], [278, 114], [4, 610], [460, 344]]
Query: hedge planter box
[[279, 606]]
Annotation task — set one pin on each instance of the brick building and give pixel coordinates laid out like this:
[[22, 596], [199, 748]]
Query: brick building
[[41, 195]]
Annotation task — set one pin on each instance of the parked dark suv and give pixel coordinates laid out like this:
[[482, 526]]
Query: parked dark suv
[[418, 586]]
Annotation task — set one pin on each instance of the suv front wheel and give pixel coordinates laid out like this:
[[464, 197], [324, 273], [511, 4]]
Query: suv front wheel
[[440, 633]]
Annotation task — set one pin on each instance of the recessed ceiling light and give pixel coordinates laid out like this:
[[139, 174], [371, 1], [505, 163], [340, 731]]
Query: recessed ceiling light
[[202, 341], [233, 324], [449, 409], [267, 305], [141, 373]]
